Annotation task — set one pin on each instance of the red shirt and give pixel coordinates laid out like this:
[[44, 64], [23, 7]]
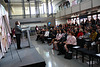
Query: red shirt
[[80, 34]]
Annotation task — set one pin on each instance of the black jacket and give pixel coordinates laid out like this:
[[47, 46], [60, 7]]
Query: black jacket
[[18, 30]]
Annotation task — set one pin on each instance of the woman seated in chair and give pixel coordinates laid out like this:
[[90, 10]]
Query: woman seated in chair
[[55, 40], [71, 40], [80, 40]]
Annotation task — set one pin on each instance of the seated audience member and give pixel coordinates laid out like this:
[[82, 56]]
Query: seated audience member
[[36, 28], [51, 35], [71, 40], [80, 40], [76, 32], [80, 34], [87, 34], [54, 32], [86, 39], [38, 35], [97, 21], [46, 35], [57, 41], [61, 44], [93, 21], [87, 23], [58, 37], [93, 35], [41, 35], [98, 41]]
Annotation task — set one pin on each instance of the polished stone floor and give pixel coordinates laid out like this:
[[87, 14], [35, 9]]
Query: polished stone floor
[[22, 57], [51, 57]]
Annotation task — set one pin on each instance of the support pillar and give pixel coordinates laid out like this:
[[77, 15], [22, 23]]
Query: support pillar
[[30, 9], [51, 8], [9, 10], [47, 8], [23, 6]]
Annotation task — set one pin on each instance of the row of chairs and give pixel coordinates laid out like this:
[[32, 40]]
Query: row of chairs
[[85, 52]]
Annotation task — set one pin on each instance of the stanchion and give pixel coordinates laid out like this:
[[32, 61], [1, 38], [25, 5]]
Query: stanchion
[[11, 52], [17, 52]]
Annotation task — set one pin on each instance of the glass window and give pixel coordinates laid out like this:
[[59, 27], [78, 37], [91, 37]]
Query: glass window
[[27, 8], [89, 18], [94, 16], [33, 9], [99, 16], [17, 9]]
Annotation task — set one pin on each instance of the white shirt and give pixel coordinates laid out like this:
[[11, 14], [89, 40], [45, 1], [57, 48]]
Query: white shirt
[[71, 40], [46, 33]]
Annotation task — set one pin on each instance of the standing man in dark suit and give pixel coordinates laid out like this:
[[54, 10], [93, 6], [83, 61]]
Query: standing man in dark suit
[[18, 32]]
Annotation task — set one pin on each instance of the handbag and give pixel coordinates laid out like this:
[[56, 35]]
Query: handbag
[[68, 55]]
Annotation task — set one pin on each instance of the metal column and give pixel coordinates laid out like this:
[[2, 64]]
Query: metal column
[[51, 8], [9, 9], [47, 8], [23, 6], [35, 7], [38, 3], [43, 9], [30, 8]]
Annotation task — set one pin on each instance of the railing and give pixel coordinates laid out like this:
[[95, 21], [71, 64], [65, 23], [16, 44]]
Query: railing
[[84, 5], [72, 4]]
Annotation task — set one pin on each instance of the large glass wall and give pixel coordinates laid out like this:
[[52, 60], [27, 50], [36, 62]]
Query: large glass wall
[[35, 8], [16, 9]]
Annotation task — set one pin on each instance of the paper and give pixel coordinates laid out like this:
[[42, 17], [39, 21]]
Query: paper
[[98, 55], [76, 47]]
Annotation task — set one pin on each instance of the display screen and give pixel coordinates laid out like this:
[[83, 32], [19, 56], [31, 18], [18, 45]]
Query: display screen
[[49, 23]]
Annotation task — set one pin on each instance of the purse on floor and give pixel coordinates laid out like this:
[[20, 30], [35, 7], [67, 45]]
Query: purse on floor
[[68, 55]]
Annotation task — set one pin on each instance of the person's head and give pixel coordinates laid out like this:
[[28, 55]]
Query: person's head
[[75, 29], [93, 30], [57, 31], [99, 30], [80, 30], [86, 31], [54, 28], [17, 23], [98, 27], [96, 17], [72, 33]]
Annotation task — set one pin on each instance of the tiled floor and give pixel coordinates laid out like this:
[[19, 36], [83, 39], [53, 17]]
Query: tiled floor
[[51, 57]]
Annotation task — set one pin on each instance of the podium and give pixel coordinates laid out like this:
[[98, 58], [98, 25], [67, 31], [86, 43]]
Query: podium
[[28, 35]]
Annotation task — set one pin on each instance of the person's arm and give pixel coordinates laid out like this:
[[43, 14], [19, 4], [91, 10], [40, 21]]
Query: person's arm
[[74, 42]]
